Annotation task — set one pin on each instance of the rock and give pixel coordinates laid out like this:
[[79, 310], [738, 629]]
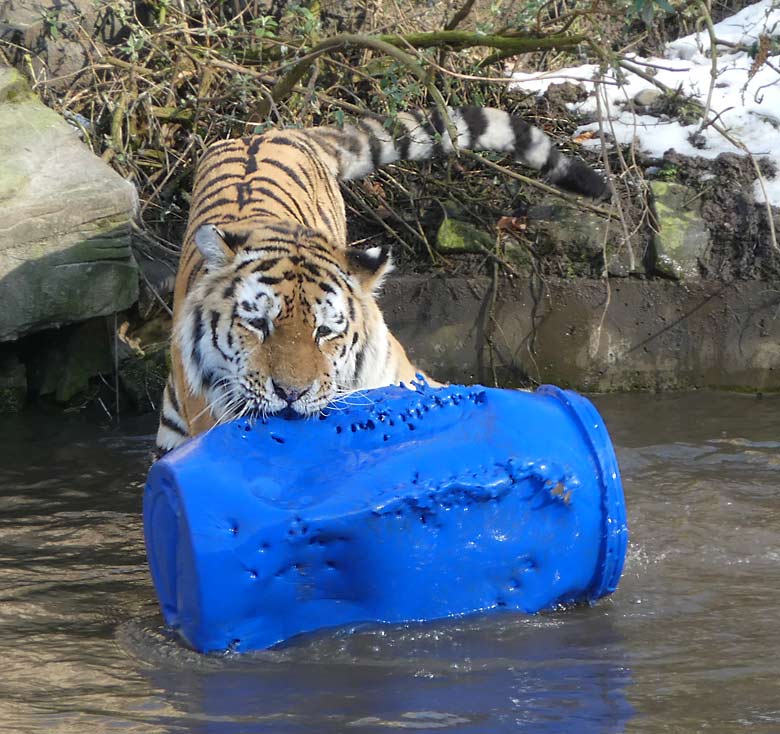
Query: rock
[[682, 48], [565, 93], [65, 237], [577, 238], [63, 362], [518, 254], [455, 236], [61, 35], [646, 97], [145, 362], [682, 239], [13, 383], [13, 90]]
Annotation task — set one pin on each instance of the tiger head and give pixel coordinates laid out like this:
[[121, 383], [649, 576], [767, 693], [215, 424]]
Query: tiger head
[[281, 320]]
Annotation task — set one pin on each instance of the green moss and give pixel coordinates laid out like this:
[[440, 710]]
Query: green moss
[[682, 238], [455, 236], [16, 94], [11, 400], [519, 256], [676, 223], [13, 87]]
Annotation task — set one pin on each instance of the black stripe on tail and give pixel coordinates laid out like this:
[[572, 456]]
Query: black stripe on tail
[[418, 135]]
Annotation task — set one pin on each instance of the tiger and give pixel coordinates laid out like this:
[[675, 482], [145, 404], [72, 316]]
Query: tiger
[[273, 311]]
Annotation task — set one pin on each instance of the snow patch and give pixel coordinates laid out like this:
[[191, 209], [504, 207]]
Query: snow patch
[[748, 107]]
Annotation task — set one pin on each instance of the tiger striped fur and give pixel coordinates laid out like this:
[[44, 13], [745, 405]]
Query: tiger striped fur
[[272, 310]]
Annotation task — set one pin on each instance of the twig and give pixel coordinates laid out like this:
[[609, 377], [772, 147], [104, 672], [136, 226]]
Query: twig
[[459, 16], [285, 85], [493, 321], [371, 213], [607, 289], [569, 198], [634, 69], [517, 44], [607, 167], [714, 63], [116, 368]]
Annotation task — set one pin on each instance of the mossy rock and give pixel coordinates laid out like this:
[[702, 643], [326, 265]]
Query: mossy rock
[[576, 238], [454, 237], [13, 88], [65, 241], [682, 241], [518, 255]]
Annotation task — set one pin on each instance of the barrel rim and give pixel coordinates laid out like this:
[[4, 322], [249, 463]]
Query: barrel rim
[[164, 559], [615, 535]]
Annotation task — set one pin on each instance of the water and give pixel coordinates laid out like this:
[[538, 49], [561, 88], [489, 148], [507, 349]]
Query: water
[[688, 643]]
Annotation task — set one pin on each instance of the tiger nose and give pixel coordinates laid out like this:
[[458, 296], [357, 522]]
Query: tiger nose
[[288, 393]]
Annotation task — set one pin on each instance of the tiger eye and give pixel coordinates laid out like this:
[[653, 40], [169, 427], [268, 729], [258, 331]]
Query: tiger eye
[[322, 332], [261, 325]]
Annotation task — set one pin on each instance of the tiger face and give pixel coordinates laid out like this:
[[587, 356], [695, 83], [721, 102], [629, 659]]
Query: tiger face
[[281, 320]]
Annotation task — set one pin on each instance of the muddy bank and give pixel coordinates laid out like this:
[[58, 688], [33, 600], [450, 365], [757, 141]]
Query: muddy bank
[[642, 335]]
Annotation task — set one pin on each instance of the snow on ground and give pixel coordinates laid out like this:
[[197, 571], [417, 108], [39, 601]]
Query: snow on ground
[[749, 108]]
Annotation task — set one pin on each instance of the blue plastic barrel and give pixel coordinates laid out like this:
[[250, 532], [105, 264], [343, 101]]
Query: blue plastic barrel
[[410, 505]]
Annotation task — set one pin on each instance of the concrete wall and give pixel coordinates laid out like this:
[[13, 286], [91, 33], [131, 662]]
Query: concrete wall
[[653, 335]]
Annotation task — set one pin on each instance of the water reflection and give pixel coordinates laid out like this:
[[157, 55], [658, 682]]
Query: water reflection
[[687, 644], [496, 673]]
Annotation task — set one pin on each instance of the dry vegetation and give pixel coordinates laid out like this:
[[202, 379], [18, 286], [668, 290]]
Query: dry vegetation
[[179, 74]]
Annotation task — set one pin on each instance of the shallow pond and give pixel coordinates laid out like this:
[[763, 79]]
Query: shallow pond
[[688, 643]]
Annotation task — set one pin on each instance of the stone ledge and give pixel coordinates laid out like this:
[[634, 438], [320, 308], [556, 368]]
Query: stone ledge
[[65, 233], [656, 335]]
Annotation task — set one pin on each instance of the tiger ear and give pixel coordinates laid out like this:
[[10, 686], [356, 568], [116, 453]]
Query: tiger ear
[[371, 266], [210, 240]]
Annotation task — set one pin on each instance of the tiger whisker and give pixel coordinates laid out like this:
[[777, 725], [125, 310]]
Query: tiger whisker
[[213, 404], [226, 414], [360, 396]]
